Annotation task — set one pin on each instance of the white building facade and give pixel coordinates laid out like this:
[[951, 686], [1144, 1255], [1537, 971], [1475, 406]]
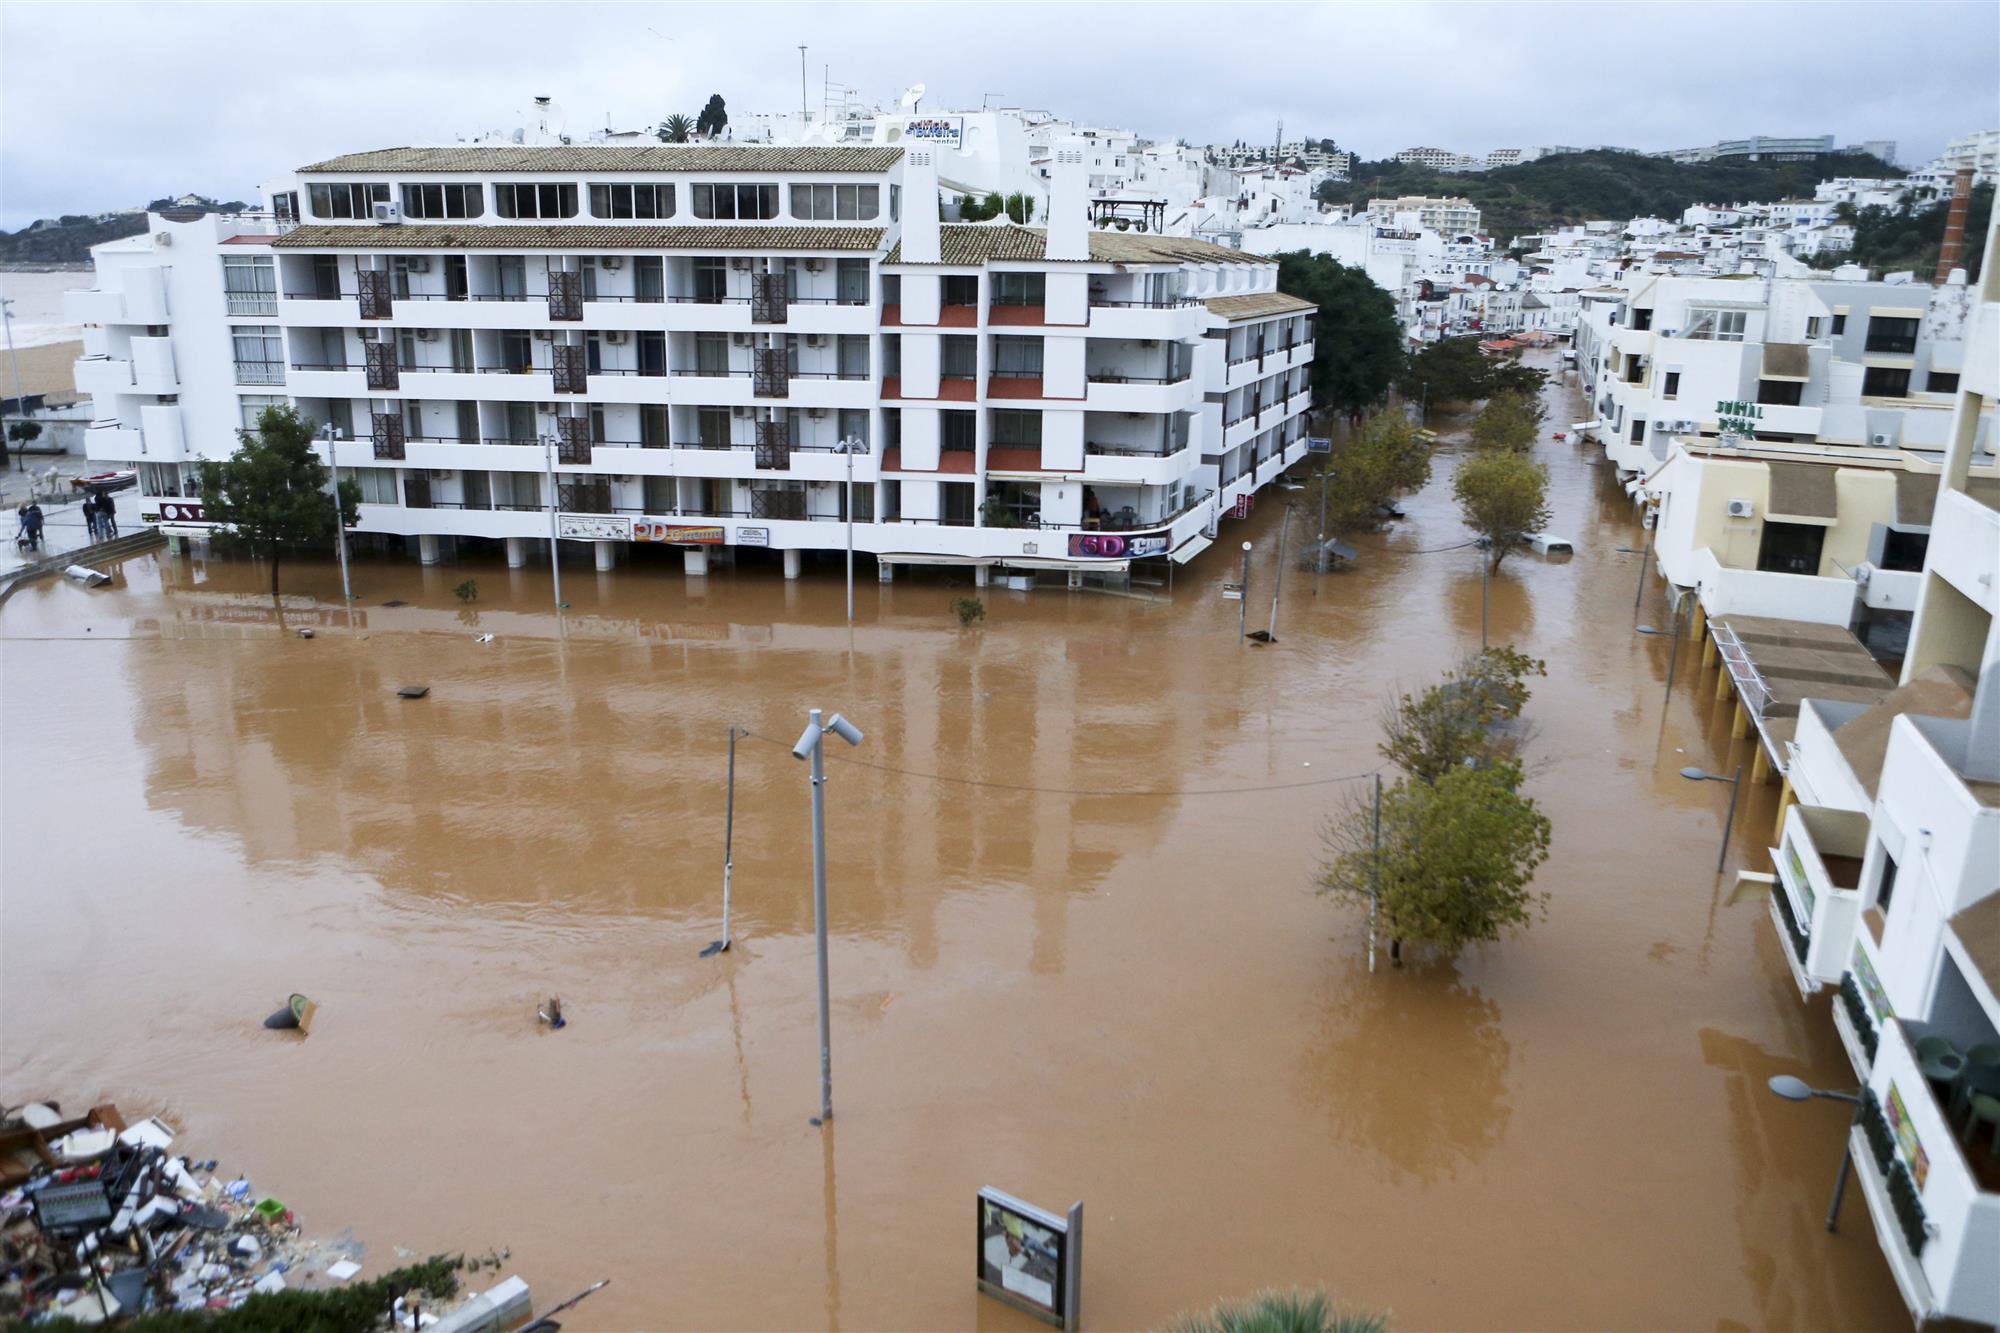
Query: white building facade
[[694, 346]]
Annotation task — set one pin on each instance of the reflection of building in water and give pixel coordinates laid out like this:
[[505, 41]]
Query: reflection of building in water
[[592, 775]]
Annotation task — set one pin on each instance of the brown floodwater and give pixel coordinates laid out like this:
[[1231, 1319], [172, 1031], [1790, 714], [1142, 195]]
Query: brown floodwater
[[1075, 949]]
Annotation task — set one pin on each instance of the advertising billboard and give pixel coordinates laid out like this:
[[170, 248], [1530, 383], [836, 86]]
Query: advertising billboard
[[594, 527], [1117, 545], [680, 534], [1030, 1258], [943, 131]]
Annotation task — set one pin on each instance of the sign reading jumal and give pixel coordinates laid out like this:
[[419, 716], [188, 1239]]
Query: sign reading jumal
[[1734, 418], [1031, 1259], [944, 131]]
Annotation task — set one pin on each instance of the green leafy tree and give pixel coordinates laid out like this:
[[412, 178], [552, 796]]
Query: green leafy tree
[[714, 118], [1280, 1312], [1358, 349], [1456, 862], [1454, 370], [1021, 208], [1504, 497], [1509, 423], [1381, 460], [1469, 717], [271, 493], [675, 129]]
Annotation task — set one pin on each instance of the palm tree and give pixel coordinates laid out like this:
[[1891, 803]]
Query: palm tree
[[676, 129], [1280, 1312]]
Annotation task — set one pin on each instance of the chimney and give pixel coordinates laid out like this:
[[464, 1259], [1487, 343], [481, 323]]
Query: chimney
[[1954, 226], [920, 205], [1069, 210]]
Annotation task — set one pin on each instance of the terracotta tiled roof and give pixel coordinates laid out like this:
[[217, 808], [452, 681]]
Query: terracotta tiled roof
[[559, 236], [615, 157], [1257, 305], [965, 243]]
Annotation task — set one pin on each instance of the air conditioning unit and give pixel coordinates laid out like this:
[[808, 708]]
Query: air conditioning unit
[[740, 412], [815, 412], [815, 340], [163, 239], [615, 337], [739, 340], [1742, 509], [740, 264], [388, 213], [546, 409], [815, 265], [417, 264], [1882, 440], [612, 261], [427, 335], [545, 335]]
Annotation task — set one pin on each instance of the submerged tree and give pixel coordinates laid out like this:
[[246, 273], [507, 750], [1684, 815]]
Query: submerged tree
[[1468, 718], [1504, 497], [1510, 422], [1383, 459], [272, 492], [1280, 1312]]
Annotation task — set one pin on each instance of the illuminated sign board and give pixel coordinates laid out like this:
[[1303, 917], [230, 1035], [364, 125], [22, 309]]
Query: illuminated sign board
[[659, 530], [1031, 1259], [1117, 545]]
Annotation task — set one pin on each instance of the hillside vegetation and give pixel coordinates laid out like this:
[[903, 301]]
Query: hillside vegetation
[[67, 239], [1579, 187], [1890, 240]]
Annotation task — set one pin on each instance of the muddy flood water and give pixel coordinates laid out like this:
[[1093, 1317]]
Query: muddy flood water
[[1075, 949]]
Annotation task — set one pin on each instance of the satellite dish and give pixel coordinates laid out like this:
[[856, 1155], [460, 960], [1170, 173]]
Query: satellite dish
[[913, 95]]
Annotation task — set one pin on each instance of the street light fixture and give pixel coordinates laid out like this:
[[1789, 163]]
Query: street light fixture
[[331, 434], [812, 746], [851, 446], [1798, 1090], [1693, 774]]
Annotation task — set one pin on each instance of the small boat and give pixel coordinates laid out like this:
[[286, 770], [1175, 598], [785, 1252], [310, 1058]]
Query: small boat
[[106, 481]]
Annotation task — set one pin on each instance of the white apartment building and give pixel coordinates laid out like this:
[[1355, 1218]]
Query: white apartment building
[[1442, 159], [1979, 150], [1448, 215], [1888, 889], [691, 346]]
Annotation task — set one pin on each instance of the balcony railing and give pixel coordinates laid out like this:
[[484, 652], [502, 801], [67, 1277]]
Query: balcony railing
[[260, 372], [250, 303]]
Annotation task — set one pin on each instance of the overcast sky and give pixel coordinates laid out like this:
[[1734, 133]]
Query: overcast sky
[[103, 106]]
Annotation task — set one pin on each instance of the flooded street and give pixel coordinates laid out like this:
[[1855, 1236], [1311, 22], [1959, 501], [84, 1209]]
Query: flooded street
[[1075, 953]]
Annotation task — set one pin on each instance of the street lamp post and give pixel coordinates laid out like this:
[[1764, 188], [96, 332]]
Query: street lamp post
[[812, 746], [7, 318], [1693, 774], [1243, 595], [1798, 1090], [331, 433], [1673, 651]]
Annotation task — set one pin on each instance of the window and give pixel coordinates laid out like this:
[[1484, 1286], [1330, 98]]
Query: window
[[1839, 324], [955, 508], [1813, 326], [468, 419], [253, 405], [1885, 382], [1891, 335], [160, 479], [1903, 549], [1017, 358], [851, 281], [892, 289], [1791, 548], [960, 289], [661, 495], [250, 284], [711, 354], [712, 427], [512, 271], [854, 424], [649, 278], [1886, 889], [1779, 393], [1672, 388], [260, 354], [653, 432], [959, 357], [378, 484], [1020, 289], [851, 351], [745, 203], [830, 203], [458, 200], [1017, 430], [285, 206], [711, 279], [346, 199], [340, 416], [957, 431], [535, 199], [1723, 326], [1938, 381], [631, 201], [1642, 318]]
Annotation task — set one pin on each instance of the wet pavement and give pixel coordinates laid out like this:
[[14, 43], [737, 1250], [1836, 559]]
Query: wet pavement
[[1075, 949]]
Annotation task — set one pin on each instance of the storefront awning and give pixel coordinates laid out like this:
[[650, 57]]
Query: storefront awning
[[1191, 548]]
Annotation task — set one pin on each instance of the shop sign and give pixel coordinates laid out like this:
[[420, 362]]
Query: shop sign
[[594, 527], [1030, 1258], [1737, 418], [753, 536], [1318, 444], [176, 511], [944, 131], [659, 530], [1117, 545]]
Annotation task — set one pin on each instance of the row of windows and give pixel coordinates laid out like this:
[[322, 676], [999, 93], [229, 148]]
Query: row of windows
[[617, 201]]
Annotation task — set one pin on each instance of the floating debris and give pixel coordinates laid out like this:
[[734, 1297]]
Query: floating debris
[[414, 691]]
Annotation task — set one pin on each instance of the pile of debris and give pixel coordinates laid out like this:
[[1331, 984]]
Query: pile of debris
[[99, 1220]]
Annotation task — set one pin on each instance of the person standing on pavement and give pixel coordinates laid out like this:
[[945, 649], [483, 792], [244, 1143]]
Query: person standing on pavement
[[107, 515], [90, 514]]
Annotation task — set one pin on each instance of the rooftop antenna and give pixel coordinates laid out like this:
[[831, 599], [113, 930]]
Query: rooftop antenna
[[911, 96], [542, 116], [805, 113]]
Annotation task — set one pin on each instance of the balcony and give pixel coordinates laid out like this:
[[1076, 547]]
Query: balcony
[[1933, 1189], [1819, 870], [263, 304], [94, 306], [113, 442], [103, 376], [262, 372]]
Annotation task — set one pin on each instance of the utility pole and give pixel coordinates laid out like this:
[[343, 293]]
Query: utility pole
[[7, 317], [1243, 596], [805, 115], [1278, 574], [812, 746], [1375, 874], [555, 565], [332, 436], [1319, 550]]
